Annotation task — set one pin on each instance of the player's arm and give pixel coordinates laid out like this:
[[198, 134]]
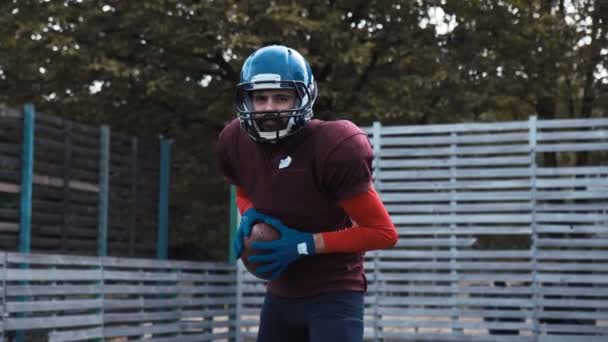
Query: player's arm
[[242, 201], [373, 228], [347, 175]]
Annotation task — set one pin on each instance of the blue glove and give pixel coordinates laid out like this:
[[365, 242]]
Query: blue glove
[[249, 217], [291, 246]]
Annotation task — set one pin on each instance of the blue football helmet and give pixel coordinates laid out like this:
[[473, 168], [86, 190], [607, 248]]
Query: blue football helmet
[[275, 67]]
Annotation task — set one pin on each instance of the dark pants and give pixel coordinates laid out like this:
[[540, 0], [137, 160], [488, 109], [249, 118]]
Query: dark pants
[[331, 317]]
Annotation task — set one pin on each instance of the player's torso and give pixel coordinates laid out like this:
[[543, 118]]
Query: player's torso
[[284, 181]]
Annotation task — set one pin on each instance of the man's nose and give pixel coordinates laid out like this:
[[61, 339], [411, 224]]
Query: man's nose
[[268, 105]]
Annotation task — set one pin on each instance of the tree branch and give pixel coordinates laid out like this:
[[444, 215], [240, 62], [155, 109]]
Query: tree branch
[[598, 16]]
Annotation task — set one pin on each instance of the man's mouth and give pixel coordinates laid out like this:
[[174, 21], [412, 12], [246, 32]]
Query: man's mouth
[[269, 124]]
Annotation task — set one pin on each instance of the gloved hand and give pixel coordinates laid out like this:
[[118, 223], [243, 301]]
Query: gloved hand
[[291, 246], [249, 217]]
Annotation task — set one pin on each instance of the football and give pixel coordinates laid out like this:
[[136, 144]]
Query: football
[[259, 232]]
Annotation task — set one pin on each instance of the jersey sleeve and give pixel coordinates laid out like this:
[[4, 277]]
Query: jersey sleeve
[[226, 153], [347, 168], [373, 228]]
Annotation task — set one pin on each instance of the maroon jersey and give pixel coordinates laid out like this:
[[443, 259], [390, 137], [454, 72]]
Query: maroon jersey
[[300, 181]]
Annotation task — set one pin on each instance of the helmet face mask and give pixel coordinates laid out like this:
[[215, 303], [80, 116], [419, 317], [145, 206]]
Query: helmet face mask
[[275, 68]]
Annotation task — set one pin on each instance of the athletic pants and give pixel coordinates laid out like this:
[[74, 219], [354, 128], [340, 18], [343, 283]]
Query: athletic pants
[[329, 317]]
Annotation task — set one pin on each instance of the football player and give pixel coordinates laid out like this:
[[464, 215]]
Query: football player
[[312, 181]]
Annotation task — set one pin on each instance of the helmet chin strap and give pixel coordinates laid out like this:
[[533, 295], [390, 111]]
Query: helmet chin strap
[[274, 135]]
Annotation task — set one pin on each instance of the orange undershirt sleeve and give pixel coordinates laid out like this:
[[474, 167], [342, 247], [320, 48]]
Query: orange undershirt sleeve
[[372, 229], [242, 201]]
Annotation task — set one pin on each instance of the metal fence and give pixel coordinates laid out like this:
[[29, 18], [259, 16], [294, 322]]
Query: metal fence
[[503, 234], [78, 189], [75, 298], [503, 237]]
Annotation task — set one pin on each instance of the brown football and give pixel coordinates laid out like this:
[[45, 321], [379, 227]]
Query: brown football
[[259, 232]]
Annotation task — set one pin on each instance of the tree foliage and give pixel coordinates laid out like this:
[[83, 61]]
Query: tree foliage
[[170, 66]]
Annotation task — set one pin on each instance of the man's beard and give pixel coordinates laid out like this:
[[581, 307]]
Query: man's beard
[[271, 124]]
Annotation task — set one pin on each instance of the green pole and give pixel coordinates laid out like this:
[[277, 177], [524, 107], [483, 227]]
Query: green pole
[[104, 191], [103, 200], [162, 241], [233, 222], [27, 179], [27, 184]]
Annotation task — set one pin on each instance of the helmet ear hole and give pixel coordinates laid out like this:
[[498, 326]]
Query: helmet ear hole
[[300, 121]]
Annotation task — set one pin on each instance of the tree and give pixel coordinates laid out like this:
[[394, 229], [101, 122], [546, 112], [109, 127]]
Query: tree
[[530, 57], [170, 66]]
